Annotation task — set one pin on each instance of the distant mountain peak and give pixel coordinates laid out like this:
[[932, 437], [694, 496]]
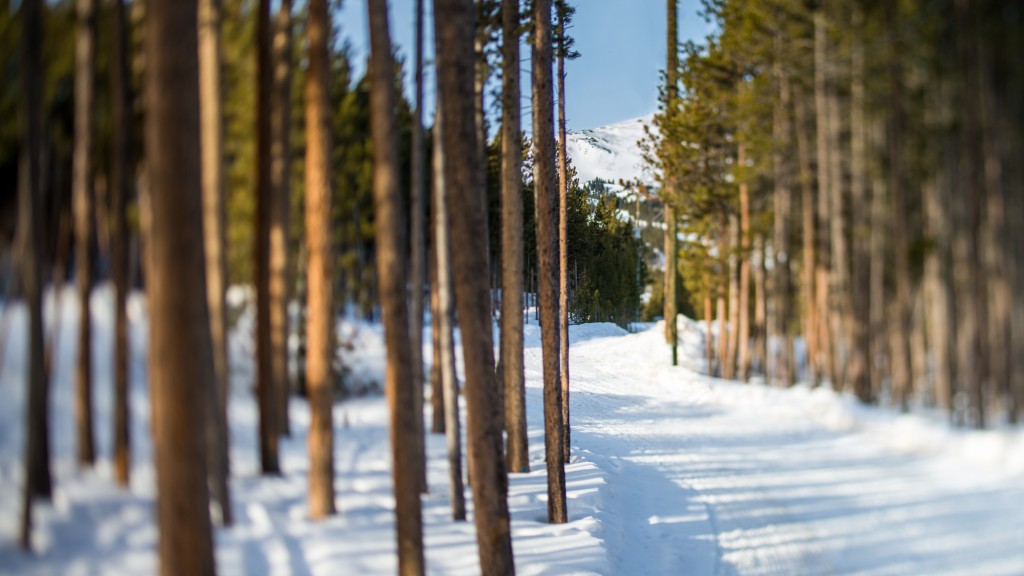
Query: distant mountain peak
[[609, 152]]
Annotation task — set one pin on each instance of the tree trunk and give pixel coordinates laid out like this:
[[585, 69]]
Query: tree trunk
[[437, 424], [181, 350], [563, 245], [517, 454], [417, 269], [266, 385], [859, 284], [280, 210], [320, 288], [37, 448], [841, 308], [743, 324], [822, 282], [400, 383], [671, 248], [464, 186], [212, 158], [547, 248], [709, 338], [445, 316], [119, 169], [761, 306], [729, 372], [84, 198], [807, 208], [785, 372]]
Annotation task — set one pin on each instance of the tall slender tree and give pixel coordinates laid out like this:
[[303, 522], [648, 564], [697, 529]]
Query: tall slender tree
[[401, 387], [320, 305], [181, 351], [119, 187], [37, 449], [280, 212], [513, 379], [417, 242], [669, 183], [564, 13], [454, 23], [547, 248], [266, 384], [84, 200], [212, 158]]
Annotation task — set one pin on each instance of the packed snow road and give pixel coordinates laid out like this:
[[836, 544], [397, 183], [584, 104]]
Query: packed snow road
[[720, 478]]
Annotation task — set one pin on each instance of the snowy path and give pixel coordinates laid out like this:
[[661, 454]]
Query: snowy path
[[711, 477]]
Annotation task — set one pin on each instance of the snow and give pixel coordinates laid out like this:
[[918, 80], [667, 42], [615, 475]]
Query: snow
[[610, 152], [672, 472]]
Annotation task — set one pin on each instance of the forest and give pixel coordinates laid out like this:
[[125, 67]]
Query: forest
[[215, 218]]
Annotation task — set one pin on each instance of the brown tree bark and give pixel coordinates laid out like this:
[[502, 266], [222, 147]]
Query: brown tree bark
[[743, 324], [181, 351], [119, 187], [464, 180], [733, 301], [320, 289], [563, 245], [761, 305], [517, 454], [444, 320], [37, 449], [212, 158], [785, 372], [807, 212], [400, 383], [84, 199], [822, 281], [671, 223], [417, 260], [266, 385], [547, 248], [280, 210]]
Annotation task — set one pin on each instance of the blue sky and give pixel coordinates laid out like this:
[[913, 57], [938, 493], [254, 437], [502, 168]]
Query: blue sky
[[622, 43]]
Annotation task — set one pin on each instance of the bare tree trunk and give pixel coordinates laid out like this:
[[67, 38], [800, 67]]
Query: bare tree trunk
[[517, 451], [417, 270], [563, 245], [671, 248], [464, 180], [437, 424], [859, 284], [37, 448], [840, 289], [280, 209], [119, 163], [785, 371], [760, 306], [729, 372], [807, 208], [879, 349], [320, 288], [723, 332], [401, 385], [743, 324], [84, 199], [822, 283], [266, 385], [181, 350], [445, 315], [547, 248], [212, 158]]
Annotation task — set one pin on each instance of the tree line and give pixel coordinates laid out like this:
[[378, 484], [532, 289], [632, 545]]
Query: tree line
[[224, 141], [848, 168]]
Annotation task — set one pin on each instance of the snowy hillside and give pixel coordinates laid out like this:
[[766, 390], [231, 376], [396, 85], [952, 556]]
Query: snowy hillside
[[610, 152], [672, 472]]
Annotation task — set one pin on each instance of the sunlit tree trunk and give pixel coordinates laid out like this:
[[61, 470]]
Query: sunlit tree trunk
[[807, 213], [513, 380], [84, 199], [212, 158], [547, 248], [400, 383], [320, 289], [180, 347], [563, 244], [760, 305], [785, 372], [729, 370], [743, 324], [822, 281], [464, 186], [671, 248]]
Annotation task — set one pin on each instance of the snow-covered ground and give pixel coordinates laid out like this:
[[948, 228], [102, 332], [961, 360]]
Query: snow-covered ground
[[609, 152], [673, 472]]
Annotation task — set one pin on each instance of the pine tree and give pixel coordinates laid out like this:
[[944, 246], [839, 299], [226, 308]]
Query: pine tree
[[320, 306], [181, 352], [464, 185]]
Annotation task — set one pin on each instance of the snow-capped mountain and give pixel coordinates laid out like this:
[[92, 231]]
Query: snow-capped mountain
[[610, 152]]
